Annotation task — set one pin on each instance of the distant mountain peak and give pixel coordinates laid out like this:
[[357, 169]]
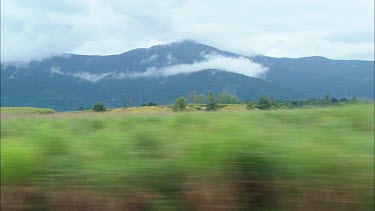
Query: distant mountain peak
[[178, 43], [314, 58], [184, 41]]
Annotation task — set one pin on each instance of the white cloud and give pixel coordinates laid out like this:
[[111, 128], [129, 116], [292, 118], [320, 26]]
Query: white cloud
[[239, 65], [56, 70], [150, 59], [342, 29], [82, 75], [90, 76], [170, 59]]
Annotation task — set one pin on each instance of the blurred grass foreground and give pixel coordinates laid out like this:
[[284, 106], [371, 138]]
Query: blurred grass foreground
[[303, 159]]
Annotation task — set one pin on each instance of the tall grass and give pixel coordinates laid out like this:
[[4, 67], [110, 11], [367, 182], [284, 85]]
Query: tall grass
[[293, 159]]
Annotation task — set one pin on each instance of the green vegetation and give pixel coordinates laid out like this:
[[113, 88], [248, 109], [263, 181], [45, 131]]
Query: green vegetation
[[226, 98], [81, 108], [211, 102], [265, 103], [26, 110], [192, 96], [200, 99], [149, 104], [320, 159], [99, 107], [180, 104]]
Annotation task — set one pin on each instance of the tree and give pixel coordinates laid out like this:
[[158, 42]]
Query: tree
[[353, 100], [273, 101], [264, 103], [334, 100], [224, 97], [212, 102], [327, 99], [200, 99], [234, 100], [180, 104], [192, 96], [250, 105], [99, 107], [149, 104]]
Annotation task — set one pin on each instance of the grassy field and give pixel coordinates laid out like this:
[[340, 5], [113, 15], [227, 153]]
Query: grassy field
[[26, 110], [302, 159]]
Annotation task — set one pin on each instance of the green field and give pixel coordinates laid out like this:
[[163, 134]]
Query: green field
[[317, 159], [25, 110]]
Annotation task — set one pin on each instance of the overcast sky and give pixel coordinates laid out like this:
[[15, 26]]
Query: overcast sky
[[339, 29]]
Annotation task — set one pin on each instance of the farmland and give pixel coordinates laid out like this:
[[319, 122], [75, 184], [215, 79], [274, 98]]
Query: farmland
[[129, 159]]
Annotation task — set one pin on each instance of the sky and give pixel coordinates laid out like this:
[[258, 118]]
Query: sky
[[337, 29]]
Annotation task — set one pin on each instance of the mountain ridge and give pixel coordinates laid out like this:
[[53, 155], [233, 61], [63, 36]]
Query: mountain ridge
[[68, 55], [148, 74]]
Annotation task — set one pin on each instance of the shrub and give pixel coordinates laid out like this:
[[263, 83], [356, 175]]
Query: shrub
[[251, 105], [264, 103], [180, 104], [149, 104], [99, 107]]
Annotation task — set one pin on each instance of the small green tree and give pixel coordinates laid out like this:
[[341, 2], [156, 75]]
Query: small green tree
[[327, 99], [235, 100], [180, 104], [200, 99], [212, 102], [99, 107], [224, 97], [250, 105], [264, 104], [192, 96]]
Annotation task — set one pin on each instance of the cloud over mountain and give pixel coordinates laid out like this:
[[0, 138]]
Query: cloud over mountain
[[239, 65]]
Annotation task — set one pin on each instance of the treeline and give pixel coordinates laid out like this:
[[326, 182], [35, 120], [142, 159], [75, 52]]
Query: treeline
[[212, 102], [265, 103], [223, 97]]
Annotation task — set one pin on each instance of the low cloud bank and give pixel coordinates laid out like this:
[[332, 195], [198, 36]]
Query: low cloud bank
[[239, 65], [152, 58], [82, 75]]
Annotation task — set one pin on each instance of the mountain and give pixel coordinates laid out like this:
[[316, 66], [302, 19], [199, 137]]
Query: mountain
[[316, 76], [163, 73]]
